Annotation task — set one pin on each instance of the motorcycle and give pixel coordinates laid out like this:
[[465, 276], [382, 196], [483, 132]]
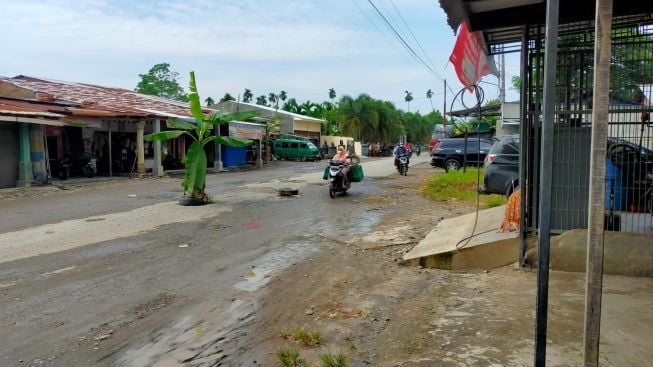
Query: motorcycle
[[337, 181], [66, 168], [402, 165]]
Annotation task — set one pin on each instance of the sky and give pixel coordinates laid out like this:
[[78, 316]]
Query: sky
[[302, 47]]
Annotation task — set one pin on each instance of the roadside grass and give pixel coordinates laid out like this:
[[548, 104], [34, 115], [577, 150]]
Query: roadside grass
[[459, 186], [290, 358], [303, 336], [333, 360]]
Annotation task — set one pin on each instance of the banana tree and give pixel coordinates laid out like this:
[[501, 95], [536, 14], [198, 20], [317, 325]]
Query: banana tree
[[195, 176]]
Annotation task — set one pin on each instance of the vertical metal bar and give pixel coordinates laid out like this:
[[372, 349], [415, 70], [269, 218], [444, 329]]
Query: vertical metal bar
[[110, 150], [594, 281], [548, 117], [522, 145]]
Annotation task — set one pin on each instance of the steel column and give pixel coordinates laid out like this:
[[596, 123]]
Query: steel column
[[546, 169]]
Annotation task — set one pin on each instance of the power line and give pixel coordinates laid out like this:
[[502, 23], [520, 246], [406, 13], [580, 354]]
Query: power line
[[411, 32], [404, 43], [380, 31]]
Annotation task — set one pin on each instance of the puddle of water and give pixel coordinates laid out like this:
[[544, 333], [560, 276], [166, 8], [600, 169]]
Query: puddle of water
[[365, 224], [378, 200], [272, 263]]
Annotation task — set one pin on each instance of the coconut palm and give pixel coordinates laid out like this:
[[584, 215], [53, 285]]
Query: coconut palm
[[429, 95], [408, 98], [283, 95], [261, 100], [273, 99], [247, 96], [209, 101], [332, 94]]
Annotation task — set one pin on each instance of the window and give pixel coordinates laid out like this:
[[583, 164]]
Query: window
[[302, 145], [285, 144], [277, 144], [294, 145]]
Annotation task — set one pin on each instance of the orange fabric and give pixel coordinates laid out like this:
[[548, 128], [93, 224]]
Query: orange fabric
[[512, 217]]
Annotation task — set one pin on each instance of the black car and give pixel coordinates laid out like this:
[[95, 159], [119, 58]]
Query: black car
[[449, 153], [502, 163], [502, 166]]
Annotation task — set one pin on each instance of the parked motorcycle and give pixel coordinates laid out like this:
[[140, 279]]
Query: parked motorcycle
[[402, 165], [337, 181], [66, 168]]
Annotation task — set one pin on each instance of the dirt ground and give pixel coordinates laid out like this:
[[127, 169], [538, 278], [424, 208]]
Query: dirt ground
[[379, 312]]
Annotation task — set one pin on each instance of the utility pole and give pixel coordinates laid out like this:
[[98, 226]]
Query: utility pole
[[444, 116]]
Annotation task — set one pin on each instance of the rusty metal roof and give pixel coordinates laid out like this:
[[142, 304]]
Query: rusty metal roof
[[105, 100]]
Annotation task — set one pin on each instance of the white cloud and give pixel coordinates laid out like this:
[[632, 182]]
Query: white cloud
[[304, 47]]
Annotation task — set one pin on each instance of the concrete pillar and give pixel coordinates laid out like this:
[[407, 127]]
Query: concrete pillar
[[140, 148], [158, 167], [259, 156], [24, 162]]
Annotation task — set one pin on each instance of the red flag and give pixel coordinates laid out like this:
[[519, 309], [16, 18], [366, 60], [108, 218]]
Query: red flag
[[469, 59]]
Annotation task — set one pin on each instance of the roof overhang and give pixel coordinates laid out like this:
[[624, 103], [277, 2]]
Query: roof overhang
[[503, 21]]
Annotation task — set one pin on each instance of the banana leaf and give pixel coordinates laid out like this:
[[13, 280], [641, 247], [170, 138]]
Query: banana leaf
[[195, 176], [164, 135], [194, 99], [181, 124]]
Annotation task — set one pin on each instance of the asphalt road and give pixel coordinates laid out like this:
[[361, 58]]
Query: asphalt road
[[162, 285]]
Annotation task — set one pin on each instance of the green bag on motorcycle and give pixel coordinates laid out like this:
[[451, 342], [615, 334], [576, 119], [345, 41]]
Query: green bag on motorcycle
[[355, 173]]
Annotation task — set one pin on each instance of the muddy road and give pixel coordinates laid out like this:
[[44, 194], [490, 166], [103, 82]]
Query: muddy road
[[115, 274], [112, 274]]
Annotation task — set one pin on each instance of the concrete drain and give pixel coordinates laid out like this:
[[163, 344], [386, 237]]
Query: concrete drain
[[288, 191]]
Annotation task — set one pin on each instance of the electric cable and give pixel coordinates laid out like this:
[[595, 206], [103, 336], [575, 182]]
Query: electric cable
[[404, 43], [480, 97]]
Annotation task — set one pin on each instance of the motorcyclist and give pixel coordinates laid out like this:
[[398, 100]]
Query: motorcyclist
[[343, 156], [398, 152]]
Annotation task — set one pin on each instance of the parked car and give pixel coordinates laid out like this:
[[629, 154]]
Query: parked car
[[502, 166], [296, 149], [449, 153]]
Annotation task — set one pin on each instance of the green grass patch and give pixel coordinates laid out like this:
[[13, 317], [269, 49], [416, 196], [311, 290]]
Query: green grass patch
[[460, 186], [333, 360], [290, 358]]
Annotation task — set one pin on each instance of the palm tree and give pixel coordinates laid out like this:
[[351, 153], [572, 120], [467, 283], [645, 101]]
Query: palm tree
[[227, 97], [429, 95], [209, 101], [273, 99], [408, 98], [247, 96], [261, 100], [283, 95], [291, 106], [332, 94]]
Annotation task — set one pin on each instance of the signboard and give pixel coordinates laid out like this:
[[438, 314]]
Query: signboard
[[246, 130], [469, 59]]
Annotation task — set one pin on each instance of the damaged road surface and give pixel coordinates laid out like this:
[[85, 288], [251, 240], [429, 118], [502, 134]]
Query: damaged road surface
[[119, 275], [122, 276]]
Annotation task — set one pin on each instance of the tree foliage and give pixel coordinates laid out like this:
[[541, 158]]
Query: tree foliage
[[160, 81], [227, 97], [247, 96]]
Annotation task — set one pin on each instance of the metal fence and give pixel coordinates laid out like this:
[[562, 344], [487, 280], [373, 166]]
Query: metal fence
[[629, 159]]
